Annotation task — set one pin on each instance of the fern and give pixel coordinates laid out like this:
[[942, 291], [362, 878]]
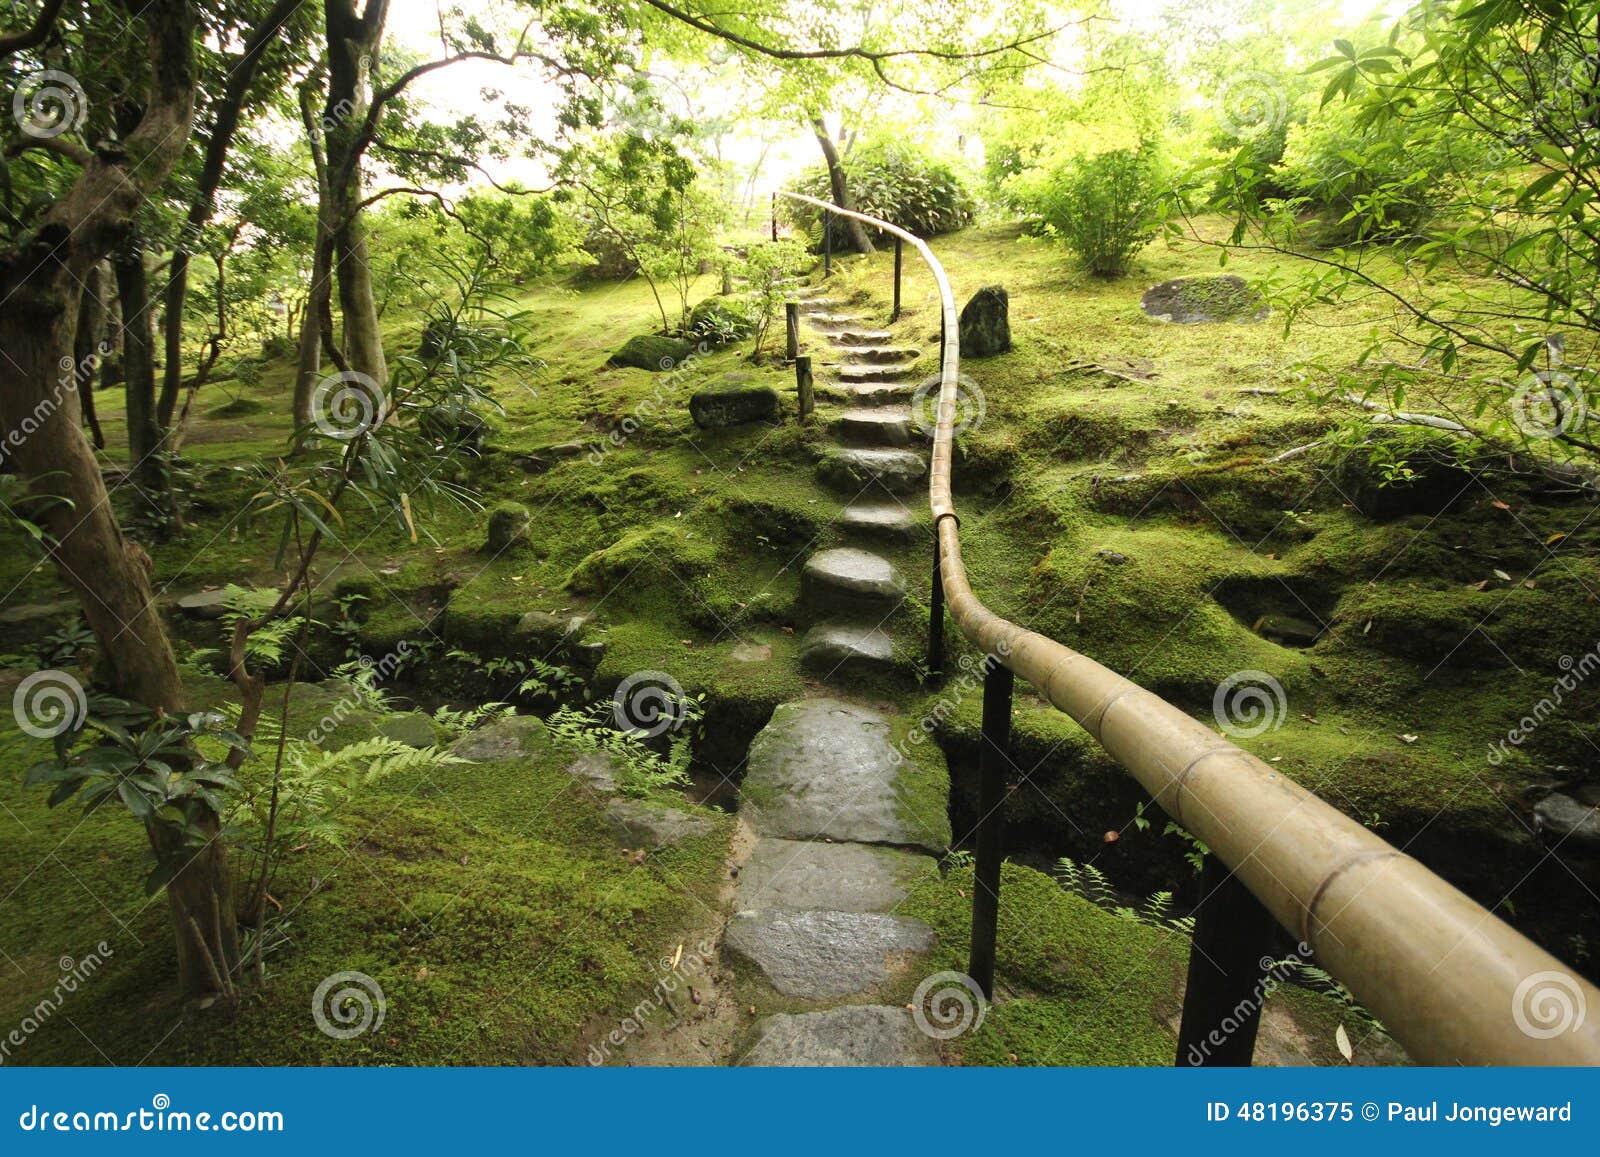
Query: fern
[[457, 723]]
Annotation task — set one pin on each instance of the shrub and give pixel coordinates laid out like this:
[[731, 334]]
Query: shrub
[[720, 320], [1104, 206], [906, 187]]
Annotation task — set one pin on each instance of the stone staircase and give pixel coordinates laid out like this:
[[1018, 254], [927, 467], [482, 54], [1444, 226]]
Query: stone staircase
[[839, 838]]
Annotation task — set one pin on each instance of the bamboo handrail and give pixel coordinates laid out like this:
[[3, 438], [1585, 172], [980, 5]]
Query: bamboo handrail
[[1451, 981]]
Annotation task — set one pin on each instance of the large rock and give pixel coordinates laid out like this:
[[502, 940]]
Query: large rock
[[720, 320], [1198, 300], [843, 647], [1574, 823], [823, 768], [836, 877], [414, 729], [733, 402], [817, 955], [986, 323], [897, 471], [508, 528], [639, 824], [550, 637], [652, 352], [857, 1036], [845, 577], [497, 742]]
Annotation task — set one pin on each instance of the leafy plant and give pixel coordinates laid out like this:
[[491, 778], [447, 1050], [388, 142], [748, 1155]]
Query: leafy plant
[[903, 185], [1105, 206], [641, 769]]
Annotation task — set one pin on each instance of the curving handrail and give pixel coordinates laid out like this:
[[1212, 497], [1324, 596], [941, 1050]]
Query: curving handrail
[[1450, 980]]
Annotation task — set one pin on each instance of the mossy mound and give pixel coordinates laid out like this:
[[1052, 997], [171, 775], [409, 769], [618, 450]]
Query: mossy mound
[[652, 352]]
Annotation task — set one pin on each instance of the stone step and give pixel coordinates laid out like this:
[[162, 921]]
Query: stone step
[[868, 395], [801, 874], [860, 337], [853, 468], [824, 768], [846, 578], [823, 955], [878, 519], [875, 425], [841, 648], [856, 1036], [828, 322], [874, 372], [877, 354]]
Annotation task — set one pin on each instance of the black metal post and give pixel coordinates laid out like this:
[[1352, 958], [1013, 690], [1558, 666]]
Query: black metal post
[[936, 614], [994, 758], [803, 385], [774, 216], [1230, 958], [899, 247], [827, 242]]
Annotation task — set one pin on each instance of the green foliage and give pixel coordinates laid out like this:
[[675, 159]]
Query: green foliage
[[904, 185], [641, 769], [1105, 206]]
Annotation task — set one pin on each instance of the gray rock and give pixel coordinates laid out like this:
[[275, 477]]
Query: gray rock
[[881, 519], [508, 528], [43, 615], [852, 373], [897, 471], [414, 729], [1574, 823], [639, 824], [817, 955], [496, 742], [1114, 557], [1287, 629], [880, 425], [822, 768], [986, 323], [1198, 300], [733, 403], [550, 630], [837, 877], [831, 647], [848, 577], [751, 652], [595, 768], [857, 1036], [204, 604]]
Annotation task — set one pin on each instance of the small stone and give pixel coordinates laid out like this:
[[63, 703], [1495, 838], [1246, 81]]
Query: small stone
[[1114, 557], [1573, 823], [1287, 629], [508, 528], [637, 823], [595, 768], [985, 323], [204, 604]]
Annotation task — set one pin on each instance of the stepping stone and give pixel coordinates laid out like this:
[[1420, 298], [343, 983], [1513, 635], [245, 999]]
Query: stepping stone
[[800, 874], [819, 955], [498, 741], [597, 769], [414, 729], [848, 578], [824, 317], [205, 604], [897, 471], [881, 425], [826, 768], [883, 519], [882, 353], [861, 337], [869, 394], [875, 373], [857, 1036], [833, 647], [639, 824]]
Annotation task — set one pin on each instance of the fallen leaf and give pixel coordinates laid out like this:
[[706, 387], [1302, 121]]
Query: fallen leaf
[[1498, 505], [1406, 738], [1342, 1039], [1502, 576], [1112, 837], [1553, 539], [677, 956], [1479, 586], [1529, 583]]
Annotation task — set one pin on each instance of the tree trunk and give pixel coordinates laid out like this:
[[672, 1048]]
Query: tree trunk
[[87, 349], [139, 376], [854, 229], [40, 416], [309, 366]]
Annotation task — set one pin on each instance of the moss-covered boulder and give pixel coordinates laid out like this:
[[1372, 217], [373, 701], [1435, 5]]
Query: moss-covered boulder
[[720, 320], [1198, 300], [508, 528], [986, 323], [652, 352], [734, 401]]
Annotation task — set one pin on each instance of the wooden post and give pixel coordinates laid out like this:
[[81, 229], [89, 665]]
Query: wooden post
[[791, 344], [802, 381], [827, 242], [994, 757], [899, 248], [1229, 960]]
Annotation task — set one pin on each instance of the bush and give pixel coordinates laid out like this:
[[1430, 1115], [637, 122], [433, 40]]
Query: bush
[[1104, 206], [906, 187], [720, 320]]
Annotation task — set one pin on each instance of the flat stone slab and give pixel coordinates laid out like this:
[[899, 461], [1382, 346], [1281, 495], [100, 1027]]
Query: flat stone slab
[[847, 575], [596, 769], [877, 352], [818, 955], [639, 824], [498, 741], [878, 518], [898, 471], [823, 768], [830, 647], [800, 874], [857, 1036], [1573, 822], [204, 604], [875, 393], [861, 337], [1198, 300], [886, 425], [872, 372]]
